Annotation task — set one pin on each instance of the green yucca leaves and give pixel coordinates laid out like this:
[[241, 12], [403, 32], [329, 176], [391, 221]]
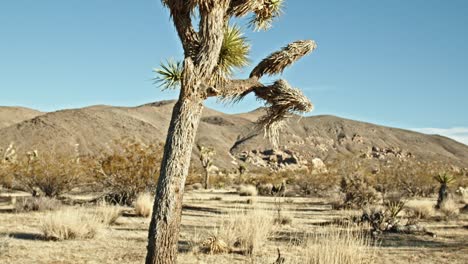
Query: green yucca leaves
[[169, 75], [234, 54], [264, 16], [444, 178]]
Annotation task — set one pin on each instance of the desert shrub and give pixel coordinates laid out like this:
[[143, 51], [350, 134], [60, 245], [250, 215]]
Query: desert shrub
[[144, 205], [345, 245], [247, 190], [358, 192], [39, 204], [50, 174], [107, 214], [69, 224], [247, 231], [130, 169]]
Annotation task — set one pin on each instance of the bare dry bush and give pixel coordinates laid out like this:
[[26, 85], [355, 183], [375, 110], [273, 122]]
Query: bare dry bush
[[8, 158], [337, 246], [144, 205], [247, 190], [69, 224], [130, 169], [246, 231], [50, 174], [38, 204], [358, 191]]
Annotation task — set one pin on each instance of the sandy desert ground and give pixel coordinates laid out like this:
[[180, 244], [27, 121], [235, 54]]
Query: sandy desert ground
[[125, 241]]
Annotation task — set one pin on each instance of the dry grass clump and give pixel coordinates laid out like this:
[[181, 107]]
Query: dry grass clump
[[345, 245], [4, 244], [423, 211], [69, 224], [247, 190], [107, 214], [144, 205], [38, 204], [247, 231], [449, 208]]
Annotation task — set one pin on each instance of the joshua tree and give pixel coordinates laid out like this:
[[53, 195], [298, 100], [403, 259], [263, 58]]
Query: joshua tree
[[212, 52], [444, 179], [241, 169], [206, 159]]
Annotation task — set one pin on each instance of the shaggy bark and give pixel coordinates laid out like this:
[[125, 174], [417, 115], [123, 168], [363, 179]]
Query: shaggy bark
[[165, 222]]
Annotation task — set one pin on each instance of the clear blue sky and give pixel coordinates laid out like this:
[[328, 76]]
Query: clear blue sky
[[394, 62]]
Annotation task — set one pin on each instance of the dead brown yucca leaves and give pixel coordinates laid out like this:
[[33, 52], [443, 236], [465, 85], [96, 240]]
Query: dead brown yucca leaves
[[144, 205], [214, 245], [69, 224]]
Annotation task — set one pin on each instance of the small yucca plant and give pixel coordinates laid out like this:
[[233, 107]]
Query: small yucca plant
[[394, 208], [444, 179]]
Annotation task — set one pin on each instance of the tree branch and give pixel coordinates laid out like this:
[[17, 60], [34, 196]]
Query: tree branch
[[180, 13], [211, 34], [276, 62]]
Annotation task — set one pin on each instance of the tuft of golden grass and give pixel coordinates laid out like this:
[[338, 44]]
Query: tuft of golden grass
[[449, 208], [69, 224], [422, 211], [107, 214], [4, 244], [246, 230], [332, 245], [144, 205], [247, 190]]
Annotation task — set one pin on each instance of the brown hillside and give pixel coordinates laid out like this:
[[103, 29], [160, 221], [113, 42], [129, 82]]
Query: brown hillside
[[11, 115], [233, 136]]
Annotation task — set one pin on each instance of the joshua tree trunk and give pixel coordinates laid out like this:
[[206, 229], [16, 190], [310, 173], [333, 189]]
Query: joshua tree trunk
[[207, 179], [165, 222], [443, 195]]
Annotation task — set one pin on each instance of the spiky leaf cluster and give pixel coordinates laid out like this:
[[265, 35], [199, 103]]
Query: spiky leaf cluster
[[234, 54], [444, 178], [169, 75]]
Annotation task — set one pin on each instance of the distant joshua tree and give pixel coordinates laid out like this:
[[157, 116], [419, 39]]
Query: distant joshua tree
[[206, 159], [444, 179], [212, 52]]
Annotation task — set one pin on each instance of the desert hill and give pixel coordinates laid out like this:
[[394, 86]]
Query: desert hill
[[234, 137], [11, 115]]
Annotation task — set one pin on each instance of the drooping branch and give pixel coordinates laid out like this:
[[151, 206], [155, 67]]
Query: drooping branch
[[278, 61], [281, 100], [240, 8]]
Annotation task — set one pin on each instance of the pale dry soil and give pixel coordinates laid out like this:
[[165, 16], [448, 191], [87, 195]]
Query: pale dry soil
[[125, 242]]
